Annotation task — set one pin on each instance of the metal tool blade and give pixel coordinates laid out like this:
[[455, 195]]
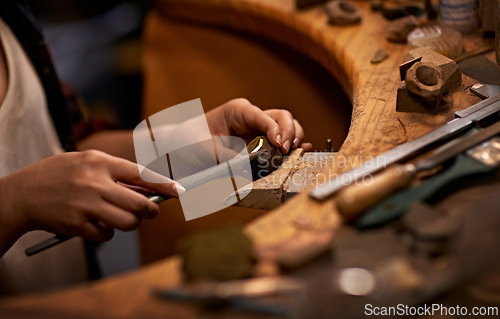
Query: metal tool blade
[[466, 119], [188, 183], [397, 154], [480, 164], [461, 146], [478, 106]]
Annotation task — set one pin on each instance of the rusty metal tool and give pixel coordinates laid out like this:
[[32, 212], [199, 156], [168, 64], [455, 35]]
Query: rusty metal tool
[[465, 120], [355, 199], [255, 150]]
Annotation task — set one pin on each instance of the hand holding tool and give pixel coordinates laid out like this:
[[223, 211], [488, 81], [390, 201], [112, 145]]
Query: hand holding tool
[[254, 150]]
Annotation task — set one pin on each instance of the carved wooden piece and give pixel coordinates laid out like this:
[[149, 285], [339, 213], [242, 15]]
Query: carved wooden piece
[[412, 103], [268, 192], [342, 12], [452, 75], [425, 79], [415, 96]]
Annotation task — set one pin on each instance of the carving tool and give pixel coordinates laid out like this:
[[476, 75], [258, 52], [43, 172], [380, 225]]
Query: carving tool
[[465, 120], [479, 163], [254, 149], [355, 199]]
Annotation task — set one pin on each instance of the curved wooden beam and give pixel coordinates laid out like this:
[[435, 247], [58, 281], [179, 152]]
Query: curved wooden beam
[[344, 51]]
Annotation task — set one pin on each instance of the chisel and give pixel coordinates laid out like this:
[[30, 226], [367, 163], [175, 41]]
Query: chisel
[[465, 120], [188, 183], [478, 164], [355, 199]]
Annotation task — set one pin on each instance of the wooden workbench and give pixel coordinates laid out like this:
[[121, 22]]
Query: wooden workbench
[[345, 52]]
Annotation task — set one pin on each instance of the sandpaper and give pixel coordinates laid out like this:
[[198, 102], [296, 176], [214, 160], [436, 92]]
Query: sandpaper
[[481, 69]]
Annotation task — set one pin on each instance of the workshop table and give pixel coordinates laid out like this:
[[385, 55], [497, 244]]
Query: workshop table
[[345, 52]]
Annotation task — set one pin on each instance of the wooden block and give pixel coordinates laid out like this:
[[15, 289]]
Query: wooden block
[[451, 72], [311, 166], [268, 192], [408, 102], [425, 80]]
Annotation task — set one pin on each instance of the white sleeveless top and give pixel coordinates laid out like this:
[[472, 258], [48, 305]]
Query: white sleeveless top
[[27, 135]]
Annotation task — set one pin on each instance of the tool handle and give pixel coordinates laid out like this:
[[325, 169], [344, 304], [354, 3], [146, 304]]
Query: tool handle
[[464, 169], [57, 239], [357, 198]]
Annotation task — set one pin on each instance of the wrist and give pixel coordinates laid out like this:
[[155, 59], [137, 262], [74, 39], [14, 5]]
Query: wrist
[[13, 222]]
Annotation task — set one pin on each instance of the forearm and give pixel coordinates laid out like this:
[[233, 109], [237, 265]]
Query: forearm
[[116, 143], [11, 223]]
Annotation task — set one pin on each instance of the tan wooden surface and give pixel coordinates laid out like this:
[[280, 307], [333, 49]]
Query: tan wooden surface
[[268, 192], [345, 52]]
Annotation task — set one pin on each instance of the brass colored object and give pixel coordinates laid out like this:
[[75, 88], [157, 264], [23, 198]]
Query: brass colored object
[[266, 163]]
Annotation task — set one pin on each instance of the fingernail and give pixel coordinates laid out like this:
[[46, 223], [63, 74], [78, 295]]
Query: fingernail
[[180, 190], [296, 142], [278, 139], [286, 146]]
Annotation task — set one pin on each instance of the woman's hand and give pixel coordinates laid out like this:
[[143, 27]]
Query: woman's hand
[[239, 117], [81, 193]]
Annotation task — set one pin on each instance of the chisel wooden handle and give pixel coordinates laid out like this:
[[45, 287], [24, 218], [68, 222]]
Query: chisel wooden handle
[[465, 171], [355, 199]]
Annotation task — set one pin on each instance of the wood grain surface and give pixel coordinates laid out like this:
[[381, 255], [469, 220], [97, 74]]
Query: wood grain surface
[[376, 127], [269, 192]]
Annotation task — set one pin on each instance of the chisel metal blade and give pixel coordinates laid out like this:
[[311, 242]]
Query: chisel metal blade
[[465, 120]]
